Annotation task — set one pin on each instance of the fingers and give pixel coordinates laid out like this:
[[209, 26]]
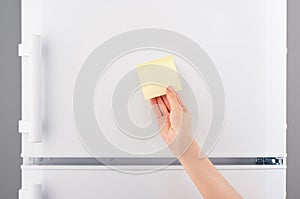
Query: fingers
[[155, 107], [162, 106], [153, 101], [161, 112], [178, 98], [165, 100], [172, 99]]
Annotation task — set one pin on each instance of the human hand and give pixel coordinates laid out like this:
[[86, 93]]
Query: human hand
[[174, 121]]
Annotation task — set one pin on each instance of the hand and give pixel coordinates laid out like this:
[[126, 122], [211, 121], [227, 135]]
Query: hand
[[174, 121]]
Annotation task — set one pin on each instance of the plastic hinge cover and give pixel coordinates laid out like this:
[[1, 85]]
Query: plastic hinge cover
[[23, 126], [23, 50]]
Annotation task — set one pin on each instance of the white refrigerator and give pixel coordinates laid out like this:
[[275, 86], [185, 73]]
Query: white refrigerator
[[87, 131]]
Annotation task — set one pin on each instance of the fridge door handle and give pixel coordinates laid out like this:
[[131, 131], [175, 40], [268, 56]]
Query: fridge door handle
[[33, 52], [33, 192]]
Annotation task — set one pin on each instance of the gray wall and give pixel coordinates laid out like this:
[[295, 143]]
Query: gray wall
[[293, 106], [10, 98]]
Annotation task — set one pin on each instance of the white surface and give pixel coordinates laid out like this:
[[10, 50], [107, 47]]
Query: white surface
[[60, 182], [35, 89], [245, 39]]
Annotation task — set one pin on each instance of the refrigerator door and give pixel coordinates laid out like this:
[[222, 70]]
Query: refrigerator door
[[243, 44], [60, 182]]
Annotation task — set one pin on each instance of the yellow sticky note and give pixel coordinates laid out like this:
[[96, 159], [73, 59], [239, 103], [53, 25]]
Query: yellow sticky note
[[155, 76]]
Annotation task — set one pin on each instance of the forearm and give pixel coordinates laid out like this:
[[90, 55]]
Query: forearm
[[205, 176]]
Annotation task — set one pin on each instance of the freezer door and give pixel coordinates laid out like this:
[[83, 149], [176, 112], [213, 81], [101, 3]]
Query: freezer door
[[80, 90], [60, 182]]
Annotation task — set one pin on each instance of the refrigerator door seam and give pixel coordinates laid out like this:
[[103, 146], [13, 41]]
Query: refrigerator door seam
[[149, 161]]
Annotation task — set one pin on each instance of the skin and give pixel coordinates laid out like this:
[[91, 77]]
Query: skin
[[174, 121]]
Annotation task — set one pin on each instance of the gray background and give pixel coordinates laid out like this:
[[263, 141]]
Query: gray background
[[10, 98]]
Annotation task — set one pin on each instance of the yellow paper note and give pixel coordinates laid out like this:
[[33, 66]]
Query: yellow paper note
[[155, 76]]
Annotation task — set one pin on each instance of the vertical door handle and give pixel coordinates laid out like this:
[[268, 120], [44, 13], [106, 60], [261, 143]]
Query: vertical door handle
[[33, 51]]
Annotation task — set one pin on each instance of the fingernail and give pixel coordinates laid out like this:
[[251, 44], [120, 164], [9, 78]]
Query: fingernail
[[172, 88], [169, 88]]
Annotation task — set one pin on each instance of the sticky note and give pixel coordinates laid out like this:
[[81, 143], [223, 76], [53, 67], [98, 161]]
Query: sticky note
[[155, 76]]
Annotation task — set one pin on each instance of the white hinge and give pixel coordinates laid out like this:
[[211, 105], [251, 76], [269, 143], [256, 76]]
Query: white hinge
[[33, 52], [33, 192], [23, 50], [24, 126]]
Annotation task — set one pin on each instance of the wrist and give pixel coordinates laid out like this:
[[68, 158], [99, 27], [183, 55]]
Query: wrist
[[192, 153]]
